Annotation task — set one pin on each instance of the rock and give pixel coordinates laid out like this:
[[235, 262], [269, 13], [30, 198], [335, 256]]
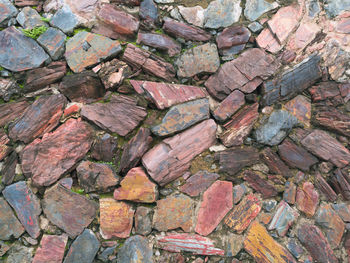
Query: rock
[[316, 244], [182, 116], [307, 199], [65, 20], [304, 35], [19, 254], [121, 115], [182, 30], [28, 53], [335, 7], [84, 248], [193, 15], [169, 159], [200, 59], [165, 95], [196, 244], [276, 128], [267, 40], [263, 248], [238, 192], [243, 214], [314, 8], [135, 149], [96, 176], [104, 148], [39, 118], [255, 27], [288, 57], [283, 218], [148, 11], [333, 119], [112, 225], [53, 40], [112, 73], [27, 3], [232, 39], [343, 210], [11, 111], [222, 13], [69, 211], [51, 249], [29, 18], [135, 249], [175, 211], [217, 202], [8, 88], [256, 8], [343, 26], [289, 193], [229, 106], [260, 184], [9, 170], [26, 205], [340, 182], [10, 227], [143, 220], [234, 159], [300, 107], [160, 42], [198, 183], [5, 149], [234, 244], [141, 59], [86, 49], [8, 10], [275, 164], [326, 147], [136, 187], [333, 225], [294, 248], [47, 159], [240, 125], [322, 185]]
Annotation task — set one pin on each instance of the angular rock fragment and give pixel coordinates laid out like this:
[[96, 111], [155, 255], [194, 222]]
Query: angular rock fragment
[[267, 40], [7, 11], [229, 106], [143, 220], [304, 35], [294, 248], [9, 224], [341, 183], [11, 111], [335, 7], [53, 41], [193, 15], [47, 159], [256, 8], [260, 184], [51, 249], [283, 218], [275, 164], [148, 12], [289, 193], [65, 20], [322, 185], [104, 148], [4, 148], [135, 249], [343, 210], [160, 42], [324, 91], [19, 253], [333, 119], [198, 183], [29, 18], [169, 159], [222, 13], [235, 36], [307, 199], [300, 107], [9, 170], [8, 88], [112, 73]]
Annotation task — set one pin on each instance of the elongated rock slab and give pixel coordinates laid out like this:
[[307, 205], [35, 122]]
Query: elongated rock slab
[[5, 149], [11, 111], [169, 159], [333, 119], [51, 249], [198, 183], [260, 184], [275, 164], [307, 199], [283, 218], [229, 106], [161, 42], [9, 224]]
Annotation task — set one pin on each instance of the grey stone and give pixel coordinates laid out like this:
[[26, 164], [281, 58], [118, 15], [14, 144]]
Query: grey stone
[[276, 128], [53, 41], [255, 27], [222, 13], [135, 249], [83, 249], [164, 1], [7, 11], [9, 224], [29, 18], [256, 8], [65, 20], [20, 254], [143, 220], [109, 251], [335, 7], [8, 88], [148, 11], [314, 8]]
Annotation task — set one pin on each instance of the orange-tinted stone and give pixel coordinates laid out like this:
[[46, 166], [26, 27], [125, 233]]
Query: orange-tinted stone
[[265, 218], [300, 107], [307, 199]]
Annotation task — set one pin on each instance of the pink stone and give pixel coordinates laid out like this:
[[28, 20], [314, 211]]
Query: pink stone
[[343, 26], [307, 199], [267, 41], [303, 36], [229, 106], [51, 249], [217, 202]]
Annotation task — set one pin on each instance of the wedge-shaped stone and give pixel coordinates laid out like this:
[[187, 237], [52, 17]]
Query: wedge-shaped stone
[[307, 199], [198, 183], [322, 185], [260, 184], [9, 224], [51, 249], [229, 106], [11, 111], [275, 164], [283, 218]]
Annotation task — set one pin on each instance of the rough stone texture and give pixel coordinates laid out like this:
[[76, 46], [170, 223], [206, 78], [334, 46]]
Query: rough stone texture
[[5, 149], [19, 254], [322, 185], [104, 148], [11, 111], [148, 12], [160, 42], [165, 95], [256, 8], [340, 182], [47, 159], [300, 107], [8, 89], [29, 18], [143, 220], [9, 170], [182, 116], [193, 15], [304, 35], [268, 41], [232, 40], [260, 184], [135, 249], [112, 73], [67, 210], [169, 159], [217, 201], [121, 115], [275, 164], [323, 91], [8, 10], [335, 7], [136, 187], [86, 49], [28, 53], [307, 199], [283, 218], [316, 244], [174, 212], [65, 20], [289, 193], [229, 106], [51, 249], [222, 13], [198, 183], [26, 205], [9, 224], [39, 118]]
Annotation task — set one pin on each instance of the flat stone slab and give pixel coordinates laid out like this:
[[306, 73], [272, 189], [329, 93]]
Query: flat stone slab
[[51, 249], [260, 184], [256, 8], [8, 10], [11, 111], [160, 42], [135, 249], [307, 199], [9, 224], [283, 218], [198, 183], [222, 13]]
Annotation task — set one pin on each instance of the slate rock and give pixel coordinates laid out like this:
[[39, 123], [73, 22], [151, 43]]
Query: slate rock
[[160, 42], [294, 248], [255, 27], [343, 210], [268, 41], [39, 118], [256, 8], [53, 41], [300, 107], [238, 192], [84, 248], [9, 224], [229, 106], [9, 170], [168, 160], [29, 18], [5, 149], [232, 39], [143, 220], [8, 10], [69, 211], [324, 90], [222, 13], [335, 7], [198, 183], [148, 11], [51, 249], [283, 219], [104, 148], [275, 164], [47, 159], [322, 185], [307, 199], [19, 254], [28, 53], [303, 36], [340, 182], [259, 184], [8, 88], [11, 111], [182, 116], [26, 205], [135, 249], [65, 20], [289, 193]]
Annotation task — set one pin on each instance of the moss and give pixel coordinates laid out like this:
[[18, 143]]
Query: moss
[[34, 32], [45, 19], [1, 68], [159, 31], [80, 29], [78, 190]]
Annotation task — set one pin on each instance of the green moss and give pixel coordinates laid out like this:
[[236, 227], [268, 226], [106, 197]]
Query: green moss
[[1, 68], [159, 31], [34, 32], [77, 190], [78, 30], [45, 19], [21, 85]]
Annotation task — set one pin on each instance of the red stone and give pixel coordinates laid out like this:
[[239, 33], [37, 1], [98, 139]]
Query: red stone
[[324, 90], [232, 36], [198, 183], [275, 164], [217, 201], [267, 41], [322, 185], [288, 57], [229, 106], [159, 41], [11, 111], [333, 119], [304, 35], [342, 183], [9, 168], [71, 110], [300, 107], [260, 184], [307, 199], [5, 149], [51, 249], [343, 26]]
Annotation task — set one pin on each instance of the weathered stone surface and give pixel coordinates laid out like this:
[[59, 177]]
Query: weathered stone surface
[[333, 119], [233, 160], [294, 248], [307, 199], [8, 88], [304, 35], [174, 212], [160, 42], [283, 218], [256, 8], [183, 116], [11, 111], [169, 159], [8, 10], [289, 193], [65, 20], [84, 248], [316, 244], [136, 187], [300, 107], [47, 159], [187, 32], [335, 7], [39, 118], [5, 149], [164, 95], [333, 225], [29, 18], [238, 192], [234, 244], [96, 176], [243, 214], [235, 36], [120, 115], [69, 211], [148, 12], [193, 15], [275, 164], [135, 249], [260, 184], [217, 201], [27, 2], [26, 205], [222, 13], [340, 182], [28, 53], [343, 210], [268, 41], [229, 106], [104, 148], [9, 224], [322, 185], [51, 249], [240, 126], [196, 244], [143, 220], [112, 225], [135, 149], [9, 169], [19, 254], [198, 183], [326, 147], [263, 248], [86, 49]]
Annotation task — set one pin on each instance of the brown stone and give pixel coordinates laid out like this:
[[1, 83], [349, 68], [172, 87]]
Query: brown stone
[[275, 164], [47, 159], [143, 220], [104, 148], [260, 184], [333, 119], [288, 57], [300, 107], [322, 185], [307, 199], [229, 106], [112, 73], [232, 36], [51, 249], [11, 111], [323, 91], [9, 169], [160, 42], [289, 193], [342, 183], [198, 183], [5, 149]]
